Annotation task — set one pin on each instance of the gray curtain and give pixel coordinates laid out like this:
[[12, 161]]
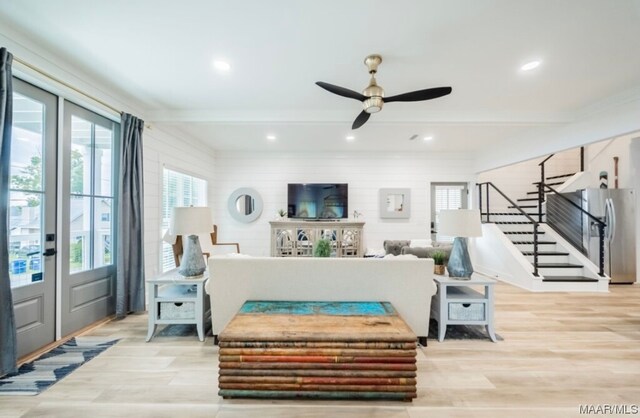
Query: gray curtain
[[8, 343], [130, 295]]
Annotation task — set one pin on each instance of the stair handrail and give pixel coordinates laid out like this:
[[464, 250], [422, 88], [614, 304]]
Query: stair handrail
[[541, 187], [542, 184], [516, 206], [600, 222]]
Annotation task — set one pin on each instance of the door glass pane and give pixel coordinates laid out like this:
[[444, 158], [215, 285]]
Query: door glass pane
[[79, 234], [25, 234], [102, 231], [103, 161], [80, 156], [26, 192]]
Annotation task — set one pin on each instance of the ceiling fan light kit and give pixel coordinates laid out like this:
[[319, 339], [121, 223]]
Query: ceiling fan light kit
[[372, 96]]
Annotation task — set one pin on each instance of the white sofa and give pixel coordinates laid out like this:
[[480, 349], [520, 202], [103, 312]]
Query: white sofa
[[405, 282]]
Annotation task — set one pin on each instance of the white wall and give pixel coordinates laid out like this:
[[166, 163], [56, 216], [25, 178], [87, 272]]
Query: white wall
[[516, 180], [599, 157], [181, 154], [366, 173]]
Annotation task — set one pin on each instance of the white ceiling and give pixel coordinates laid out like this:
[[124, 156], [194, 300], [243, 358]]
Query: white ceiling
[[161, 51]]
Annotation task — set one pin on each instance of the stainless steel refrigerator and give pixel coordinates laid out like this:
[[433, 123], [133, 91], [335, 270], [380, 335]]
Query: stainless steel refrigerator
[[616, 207]]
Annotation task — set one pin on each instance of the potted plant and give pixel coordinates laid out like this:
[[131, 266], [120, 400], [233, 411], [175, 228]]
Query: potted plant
[[438, 260], [322, 248], [282, 213]]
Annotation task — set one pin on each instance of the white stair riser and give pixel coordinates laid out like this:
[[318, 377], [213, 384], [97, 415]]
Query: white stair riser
[[549, 258], [507, 218], [516, 227], [574, 271], [544, 247]]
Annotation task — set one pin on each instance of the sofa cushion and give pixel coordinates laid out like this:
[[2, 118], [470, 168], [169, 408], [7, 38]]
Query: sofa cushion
[[395, 246], [418, 243], [427, 252]]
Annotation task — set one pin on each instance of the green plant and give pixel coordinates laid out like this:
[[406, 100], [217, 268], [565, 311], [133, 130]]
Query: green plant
[[438, 258], [282, 212], [322, 248]]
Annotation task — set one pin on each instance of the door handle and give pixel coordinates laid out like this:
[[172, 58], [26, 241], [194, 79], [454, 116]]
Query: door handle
[[49, 252]]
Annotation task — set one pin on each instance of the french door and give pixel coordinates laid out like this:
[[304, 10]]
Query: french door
[[88, 218], [32, 215]]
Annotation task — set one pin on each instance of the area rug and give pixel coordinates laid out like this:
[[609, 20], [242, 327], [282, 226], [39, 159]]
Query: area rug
[[35, 377], [460, 332]]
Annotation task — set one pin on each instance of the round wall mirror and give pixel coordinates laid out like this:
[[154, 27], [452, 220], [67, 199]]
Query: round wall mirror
[[245, 205]]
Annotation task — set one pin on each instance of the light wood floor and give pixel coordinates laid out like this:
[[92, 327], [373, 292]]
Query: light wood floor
[[559, 351]]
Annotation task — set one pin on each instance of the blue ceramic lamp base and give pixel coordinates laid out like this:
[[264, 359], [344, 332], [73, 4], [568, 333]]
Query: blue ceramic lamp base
[[459, 266], [192, 263]]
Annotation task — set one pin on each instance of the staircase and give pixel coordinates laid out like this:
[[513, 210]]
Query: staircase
[[557, 266]]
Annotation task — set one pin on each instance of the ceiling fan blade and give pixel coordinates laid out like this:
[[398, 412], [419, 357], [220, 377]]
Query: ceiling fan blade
[[419, 95], [341, 91], [362, 118]]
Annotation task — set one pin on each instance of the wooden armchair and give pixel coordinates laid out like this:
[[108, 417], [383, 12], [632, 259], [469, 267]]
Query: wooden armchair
[[178, 250]]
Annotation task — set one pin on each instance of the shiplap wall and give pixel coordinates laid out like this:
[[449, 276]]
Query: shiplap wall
[[516, 180], [366, 173], [180, 154]]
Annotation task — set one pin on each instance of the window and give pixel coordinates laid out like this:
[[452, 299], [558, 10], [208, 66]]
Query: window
[[446, 196], [92, 195], [178, 189]]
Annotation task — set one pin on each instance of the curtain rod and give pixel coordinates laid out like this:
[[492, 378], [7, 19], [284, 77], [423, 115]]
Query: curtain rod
[[57, 80]]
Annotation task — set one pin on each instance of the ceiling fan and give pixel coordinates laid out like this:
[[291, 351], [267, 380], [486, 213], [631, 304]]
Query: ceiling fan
[[372, 97]]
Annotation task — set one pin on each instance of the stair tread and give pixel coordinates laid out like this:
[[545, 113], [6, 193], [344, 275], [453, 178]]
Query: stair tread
[[568, 279], [509, 214], [525, 207], [536, 192], [522, 232], [502, 213], [559, 176], [550, 184], [531, 242], [558, 253], [527, 199], [513, 223], [559, 265]]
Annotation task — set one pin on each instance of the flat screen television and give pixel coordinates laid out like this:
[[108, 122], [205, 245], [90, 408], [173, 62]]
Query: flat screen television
[[318, 201]]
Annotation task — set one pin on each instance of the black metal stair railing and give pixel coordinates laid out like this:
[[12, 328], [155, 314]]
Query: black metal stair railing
[[566, 217], [542, 183], [535, 224]]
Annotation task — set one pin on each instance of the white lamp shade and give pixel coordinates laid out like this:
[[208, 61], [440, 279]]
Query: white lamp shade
[[191, 220], [460, 223]]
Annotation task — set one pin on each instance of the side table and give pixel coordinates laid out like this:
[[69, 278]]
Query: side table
[[174, 299], [457, 303]]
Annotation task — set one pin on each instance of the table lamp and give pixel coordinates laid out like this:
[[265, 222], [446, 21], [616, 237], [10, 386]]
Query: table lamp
[[189, 221], [461, 224]]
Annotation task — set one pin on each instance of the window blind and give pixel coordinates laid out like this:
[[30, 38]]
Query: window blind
[[447, 197], [178, 189]]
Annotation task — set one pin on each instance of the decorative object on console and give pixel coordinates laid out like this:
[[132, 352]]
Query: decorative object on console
[[395, 203], [322, 248], [461, 224], [438, 261], [245, 205], [282, 213], [191, 221]]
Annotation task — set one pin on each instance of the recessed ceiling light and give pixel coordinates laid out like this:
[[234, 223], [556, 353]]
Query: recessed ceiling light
[[271, 137], [427, 138], [350, 137], [222, 66], [530, 65]]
